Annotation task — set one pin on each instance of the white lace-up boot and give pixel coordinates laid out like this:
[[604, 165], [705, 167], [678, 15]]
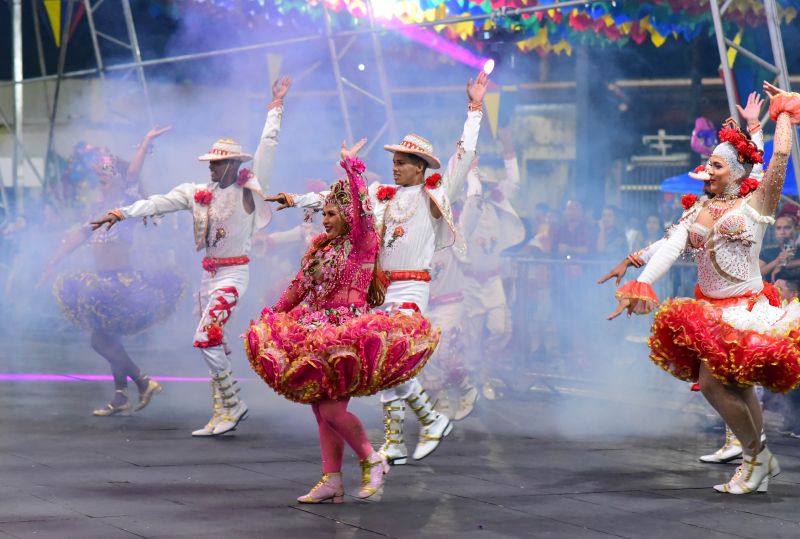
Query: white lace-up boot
[[394, 447], [234, 410]]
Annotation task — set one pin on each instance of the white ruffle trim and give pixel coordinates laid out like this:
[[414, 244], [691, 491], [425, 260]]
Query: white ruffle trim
[[753, 214], [764, 318]]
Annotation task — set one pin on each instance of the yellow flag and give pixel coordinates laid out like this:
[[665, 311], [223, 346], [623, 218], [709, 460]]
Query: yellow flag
[[53, 8], [732, 52], [492, 103]]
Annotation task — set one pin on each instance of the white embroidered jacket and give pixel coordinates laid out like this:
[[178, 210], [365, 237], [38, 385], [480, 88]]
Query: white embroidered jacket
[[222, 227], [422, 233]]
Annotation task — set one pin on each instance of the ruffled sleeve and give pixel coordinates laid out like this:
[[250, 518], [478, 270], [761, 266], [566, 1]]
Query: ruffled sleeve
[[641, 295]]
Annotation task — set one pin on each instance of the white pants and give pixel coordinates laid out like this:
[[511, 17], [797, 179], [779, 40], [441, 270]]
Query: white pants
[[448, 367], [398, 293], [488, 318], [218, 298]]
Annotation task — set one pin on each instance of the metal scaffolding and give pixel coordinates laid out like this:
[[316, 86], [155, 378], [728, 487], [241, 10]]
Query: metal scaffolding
[[350, 95], [777, 67]]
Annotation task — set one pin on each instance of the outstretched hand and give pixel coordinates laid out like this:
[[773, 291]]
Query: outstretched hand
[[156, 132], [281, 199], [618, 272], [281, 87], [752, 110], [109, 220], [771, 90], [352, 152], [623, 305], [476, 90]]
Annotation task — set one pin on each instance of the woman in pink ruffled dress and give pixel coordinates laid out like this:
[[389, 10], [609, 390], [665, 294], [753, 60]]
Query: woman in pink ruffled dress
[[320, 345]]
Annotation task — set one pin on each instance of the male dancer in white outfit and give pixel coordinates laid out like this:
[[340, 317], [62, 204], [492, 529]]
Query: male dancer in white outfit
[[490, 225], [415, 220], [227, 211]]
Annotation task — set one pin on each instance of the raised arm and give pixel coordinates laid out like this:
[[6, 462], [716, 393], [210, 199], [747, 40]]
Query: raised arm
[[135, 168], [265, 153], [362, 231], [510, 185], [458, 166], [784, 109], [750, 115], [470, 214]]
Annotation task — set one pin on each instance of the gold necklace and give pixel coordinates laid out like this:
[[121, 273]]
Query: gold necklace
[[720, 204]]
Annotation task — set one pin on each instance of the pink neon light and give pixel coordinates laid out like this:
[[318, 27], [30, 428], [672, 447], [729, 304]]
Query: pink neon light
[[37, 377], [434, 41]]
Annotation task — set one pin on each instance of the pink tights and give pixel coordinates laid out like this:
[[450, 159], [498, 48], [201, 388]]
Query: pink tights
[[336, 426]]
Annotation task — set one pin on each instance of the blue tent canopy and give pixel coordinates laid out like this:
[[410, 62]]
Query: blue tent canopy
[[684, 184]]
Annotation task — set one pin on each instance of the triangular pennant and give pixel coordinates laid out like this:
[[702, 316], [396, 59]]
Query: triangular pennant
[[492, 103], [53, 8], [731, 51]]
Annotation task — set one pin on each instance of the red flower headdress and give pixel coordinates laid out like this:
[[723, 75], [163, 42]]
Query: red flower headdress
[[748, 186], [746, 148]]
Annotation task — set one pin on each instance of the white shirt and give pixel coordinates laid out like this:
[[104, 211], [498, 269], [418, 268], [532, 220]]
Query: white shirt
[[223, 228]]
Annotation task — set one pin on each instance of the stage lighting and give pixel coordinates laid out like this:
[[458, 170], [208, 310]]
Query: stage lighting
[[361, 67], [488, 66]]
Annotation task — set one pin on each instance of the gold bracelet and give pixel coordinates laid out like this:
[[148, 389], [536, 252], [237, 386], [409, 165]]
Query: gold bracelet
[[117, 213], [473, 107]]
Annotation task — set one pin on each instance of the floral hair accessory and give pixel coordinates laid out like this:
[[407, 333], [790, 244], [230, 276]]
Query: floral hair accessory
[[433, 181], [688, 201], [748, 186], [203, 197], [746, 149], [340, 192], [108, 164]]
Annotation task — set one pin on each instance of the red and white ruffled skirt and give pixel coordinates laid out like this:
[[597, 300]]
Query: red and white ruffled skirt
[[310, 355], [743, 341]]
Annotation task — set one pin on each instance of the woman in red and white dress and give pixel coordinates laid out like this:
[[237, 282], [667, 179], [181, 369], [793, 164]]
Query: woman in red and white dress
[[735, 334]]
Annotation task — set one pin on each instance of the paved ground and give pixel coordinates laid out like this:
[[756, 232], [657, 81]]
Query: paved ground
[[521, 467]]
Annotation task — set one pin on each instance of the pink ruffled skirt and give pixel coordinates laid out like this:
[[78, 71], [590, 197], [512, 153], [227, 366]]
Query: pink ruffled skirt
[[308, 356]]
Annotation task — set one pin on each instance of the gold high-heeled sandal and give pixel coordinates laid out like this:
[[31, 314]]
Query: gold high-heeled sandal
[[153, 388], [110, 409]]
